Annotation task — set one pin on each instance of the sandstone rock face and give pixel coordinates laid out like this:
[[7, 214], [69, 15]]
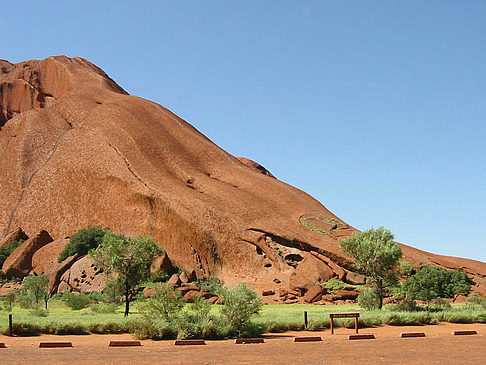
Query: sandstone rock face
[[16, 235], [343, 294], [44, 260], [355, 279], [314, 294], [8, 287], [310, 272], [83, 276], [162, 263], [19, 263], [76, 151]]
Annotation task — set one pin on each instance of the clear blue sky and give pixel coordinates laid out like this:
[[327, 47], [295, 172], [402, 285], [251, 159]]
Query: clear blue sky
[[376, 108]]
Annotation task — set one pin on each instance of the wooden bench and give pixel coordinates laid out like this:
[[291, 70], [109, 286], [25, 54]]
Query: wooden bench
[[344, 315]]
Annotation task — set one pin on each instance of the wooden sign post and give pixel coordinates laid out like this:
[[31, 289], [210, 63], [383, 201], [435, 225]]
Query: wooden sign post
[[345, 315]]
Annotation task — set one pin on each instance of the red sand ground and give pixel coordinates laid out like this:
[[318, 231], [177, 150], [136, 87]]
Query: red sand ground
[[439, 347]]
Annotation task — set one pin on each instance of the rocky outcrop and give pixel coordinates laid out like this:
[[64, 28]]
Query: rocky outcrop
[[78, 151], [16, 235], [19, 263], [308, 273], [314, 294], [83, 277]]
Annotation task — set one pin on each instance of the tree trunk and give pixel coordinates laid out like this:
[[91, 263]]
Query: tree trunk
[[379, 285], [127, 303]]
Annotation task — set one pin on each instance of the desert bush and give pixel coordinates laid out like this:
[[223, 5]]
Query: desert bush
[[409, 319], [369, 299], [110, 327], [210, 284], [406, 268], [104, 307], [240, 305], [38, 311], [23, 329], [405, 304], [82, 242], [65, 328], [432, 282], [9, 301], [440, 304], [280, 327], [333, 284], [7, 249], [481, 317], [165, 303], [157, 329], [473, 301], [77, 301], [460, 317]]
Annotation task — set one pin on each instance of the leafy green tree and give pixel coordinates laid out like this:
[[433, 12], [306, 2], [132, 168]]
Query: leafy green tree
[[127, 260], [83, 241], [375, 255], [240, 304], [432, 282], [36, 286]]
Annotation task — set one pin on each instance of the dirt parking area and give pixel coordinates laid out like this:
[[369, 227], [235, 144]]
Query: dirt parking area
[[438, 347]]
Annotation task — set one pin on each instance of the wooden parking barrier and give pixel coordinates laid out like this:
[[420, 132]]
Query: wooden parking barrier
[[124, 343], [412, 334], [362, 337], [307, 339], [249, 340], [189, 342], [55, 344], [344, 315], [464, 333]]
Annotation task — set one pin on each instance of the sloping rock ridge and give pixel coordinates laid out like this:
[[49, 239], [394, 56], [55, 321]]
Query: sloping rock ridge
[[76, 150]]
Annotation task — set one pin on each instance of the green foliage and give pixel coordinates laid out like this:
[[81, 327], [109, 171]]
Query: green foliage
[[82, 242], [159, 277], [375, 255], [334, 284], [369, 299], [431, 283], [409, 319], [104, 307], [165, 303], [6, 250], [474, 300], [210, 284], [9, 301], [39, 312], [113, 291], [405, 304], [128, 260], [23, 329], [77, 301], [240, 305], [35, 287], [406, 268]]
